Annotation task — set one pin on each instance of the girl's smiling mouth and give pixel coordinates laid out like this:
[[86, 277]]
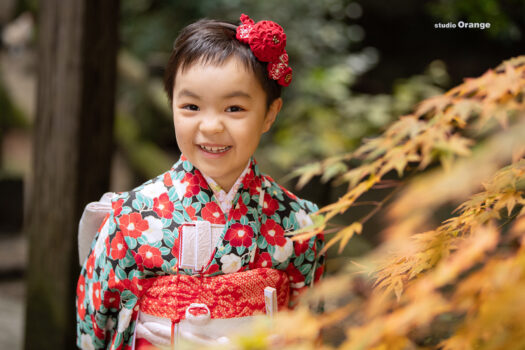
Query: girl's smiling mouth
[[214, 149]]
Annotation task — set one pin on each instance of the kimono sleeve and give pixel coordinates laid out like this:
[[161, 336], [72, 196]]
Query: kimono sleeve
[[107, 290], [306, 265]]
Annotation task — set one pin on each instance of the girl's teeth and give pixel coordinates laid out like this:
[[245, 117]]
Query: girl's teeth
[[215, 149]]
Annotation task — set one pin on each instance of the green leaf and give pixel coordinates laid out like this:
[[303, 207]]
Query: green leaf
[[299, 260], [131, 242], [187, 166], [119, 272], [136, 204], [178, 217], [305, 269], [240, 250], [261, 242], [203, 197]]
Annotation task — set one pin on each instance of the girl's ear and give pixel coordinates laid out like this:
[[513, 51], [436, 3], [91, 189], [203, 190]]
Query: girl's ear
[[272, 112]]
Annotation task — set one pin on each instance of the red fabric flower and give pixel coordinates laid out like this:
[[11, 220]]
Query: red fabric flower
[[117, 206], [118, 247], [111, 300], [276, 70], [213, 213], [239, 235], [270, 205], [195, 184], [243, 31], [273, 233], [267, 40], [163, 206], [95, 294], [167, 180], [151, 256], [264, 260], [81, 293], [286, 77], [133, 225], [239, 210]]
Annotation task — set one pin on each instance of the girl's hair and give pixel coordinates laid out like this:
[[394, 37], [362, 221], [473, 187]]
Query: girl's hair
[[212, 42]]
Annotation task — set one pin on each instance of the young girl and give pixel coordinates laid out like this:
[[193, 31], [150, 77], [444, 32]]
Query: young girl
[[203, 248]]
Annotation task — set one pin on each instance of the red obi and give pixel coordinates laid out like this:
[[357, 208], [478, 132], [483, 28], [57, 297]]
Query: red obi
[[183, 298], [231, 295]]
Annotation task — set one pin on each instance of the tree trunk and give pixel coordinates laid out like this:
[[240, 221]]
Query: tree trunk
[[72, 153]]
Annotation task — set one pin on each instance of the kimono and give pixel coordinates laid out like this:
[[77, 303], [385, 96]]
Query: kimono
[[139, 241]]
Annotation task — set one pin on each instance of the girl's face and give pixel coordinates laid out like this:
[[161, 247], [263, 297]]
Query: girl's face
[[219, 114]]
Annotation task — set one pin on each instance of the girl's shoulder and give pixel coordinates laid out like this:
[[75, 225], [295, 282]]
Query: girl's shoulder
[[287, 198], [149, 196]]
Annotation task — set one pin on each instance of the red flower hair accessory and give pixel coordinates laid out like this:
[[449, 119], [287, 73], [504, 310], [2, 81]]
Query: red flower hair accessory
[[267, 41]]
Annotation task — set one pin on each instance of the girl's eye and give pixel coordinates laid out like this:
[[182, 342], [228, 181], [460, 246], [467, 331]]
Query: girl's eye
[[191, 107], [234, 109]]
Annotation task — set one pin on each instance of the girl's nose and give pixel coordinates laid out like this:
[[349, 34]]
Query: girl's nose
[[211, 125]]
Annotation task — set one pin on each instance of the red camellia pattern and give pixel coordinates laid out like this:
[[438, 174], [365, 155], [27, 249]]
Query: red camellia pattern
[[294, 275], [196, 183], [273, 233], [90, 265], [111, 299], [239, 235], [125, 269], [301, 247], [167, 180], [264, 260], [95, 294], [117, 206], [133, 225], [237, 212], [138, 260], [118, 247], [255, 186], [163, 206], [270, 205], [99, 332], [81, 293], [151, 256], [191, 212], [213, 213]]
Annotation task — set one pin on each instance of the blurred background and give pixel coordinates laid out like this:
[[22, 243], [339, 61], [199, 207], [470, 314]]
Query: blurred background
[[357, 65]]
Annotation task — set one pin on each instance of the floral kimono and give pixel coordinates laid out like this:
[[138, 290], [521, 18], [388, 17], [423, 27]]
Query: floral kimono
[[141, 240]]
